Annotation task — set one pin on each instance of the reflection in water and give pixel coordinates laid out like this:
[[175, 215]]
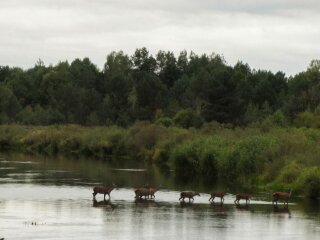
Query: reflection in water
[[146, 202], [103, 203], [243, 207], [285, 210], [217, 207], [56, 194], [184, 204]]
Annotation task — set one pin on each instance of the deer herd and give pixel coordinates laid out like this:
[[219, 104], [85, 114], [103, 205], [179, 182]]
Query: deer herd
[[148, 192]]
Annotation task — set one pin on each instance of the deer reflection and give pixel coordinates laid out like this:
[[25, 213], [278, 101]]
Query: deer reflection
[[217, 207], [103, 204], [243, 207], [282, 210], [146, 202], [184, 204]]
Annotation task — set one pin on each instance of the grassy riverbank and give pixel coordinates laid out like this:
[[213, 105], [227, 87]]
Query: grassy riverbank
[[257, 157]]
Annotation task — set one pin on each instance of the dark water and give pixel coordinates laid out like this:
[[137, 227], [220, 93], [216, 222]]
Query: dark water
[[45, 198]]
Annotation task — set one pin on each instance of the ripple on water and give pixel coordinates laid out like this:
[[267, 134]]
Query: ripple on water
[[19, 162], [23, 174], [129, 169]]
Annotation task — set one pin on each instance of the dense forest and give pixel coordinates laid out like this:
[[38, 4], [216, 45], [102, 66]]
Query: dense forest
[[185, 90]]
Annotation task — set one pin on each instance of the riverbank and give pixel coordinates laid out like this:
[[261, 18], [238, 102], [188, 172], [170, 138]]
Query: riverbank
[[271, 159]]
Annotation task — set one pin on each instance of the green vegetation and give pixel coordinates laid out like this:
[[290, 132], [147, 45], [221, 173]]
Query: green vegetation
[[195, 114], [274, 159], [190, 89]]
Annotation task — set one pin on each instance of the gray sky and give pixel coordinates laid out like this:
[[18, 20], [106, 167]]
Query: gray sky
[[267, 34]]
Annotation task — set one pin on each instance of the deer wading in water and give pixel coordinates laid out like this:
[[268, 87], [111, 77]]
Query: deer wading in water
[[102, 190], [245, 196], [217, 194], [152, 191], [146, 191], [142, 192], [189, 195], [281, 196]]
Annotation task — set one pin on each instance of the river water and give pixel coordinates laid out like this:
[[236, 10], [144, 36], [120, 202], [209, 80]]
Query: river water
[[51, 198]]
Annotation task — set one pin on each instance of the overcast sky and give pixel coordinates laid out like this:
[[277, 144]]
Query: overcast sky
[[267, 34]]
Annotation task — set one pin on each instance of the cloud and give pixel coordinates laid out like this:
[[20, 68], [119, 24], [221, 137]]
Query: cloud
[[276, 35]]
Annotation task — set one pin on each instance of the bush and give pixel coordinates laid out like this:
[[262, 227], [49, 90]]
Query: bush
[[164, 121], [309, 182], [188, 118], [290, 173], [307, 119], [186, 161], [197, 157]]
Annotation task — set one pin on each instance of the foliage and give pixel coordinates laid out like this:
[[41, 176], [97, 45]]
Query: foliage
[[279, 159], [133, 88], [309, 182], [188, 118]]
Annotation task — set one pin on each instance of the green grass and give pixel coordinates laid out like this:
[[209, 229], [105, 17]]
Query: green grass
[[276, 159]]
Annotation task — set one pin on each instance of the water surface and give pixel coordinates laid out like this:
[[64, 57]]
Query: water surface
[[51, 198]]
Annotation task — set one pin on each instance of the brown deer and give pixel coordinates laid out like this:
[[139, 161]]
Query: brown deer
[[245, 196], [142, 192], [189, 195], [102, 190], [217, 194], [152, 191], [281, 196]]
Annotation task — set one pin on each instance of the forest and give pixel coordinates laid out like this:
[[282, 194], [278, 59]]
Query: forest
[[187, 90], [192, 113]]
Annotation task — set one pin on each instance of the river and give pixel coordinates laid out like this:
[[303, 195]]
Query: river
[[51, 198]]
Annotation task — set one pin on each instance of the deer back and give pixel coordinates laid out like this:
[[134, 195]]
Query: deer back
[[243, 196], [217, 194]]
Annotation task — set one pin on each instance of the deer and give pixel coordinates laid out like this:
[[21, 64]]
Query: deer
[[245, 196], [152, 191], [189, 195], [281, 196], [142, 192], [217, 194], [103, 190]]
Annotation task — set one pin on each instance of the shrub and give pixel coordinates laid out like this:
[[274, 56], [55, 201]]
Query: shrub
[[186, 161], [289, 173], [164, 121], [307, 119], [188, 118], [309, 182]]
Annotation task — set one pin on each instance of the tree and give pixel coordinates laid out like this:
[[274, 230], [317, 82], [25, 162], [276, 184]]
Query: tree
[[9, 105]]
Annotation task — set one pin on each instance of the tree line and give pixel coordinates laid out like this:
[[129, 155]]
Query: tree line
[[186, 90]]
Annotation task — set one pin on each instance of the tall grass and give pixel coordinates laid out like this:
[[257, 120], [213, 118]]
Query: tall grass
[[277, 159]]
